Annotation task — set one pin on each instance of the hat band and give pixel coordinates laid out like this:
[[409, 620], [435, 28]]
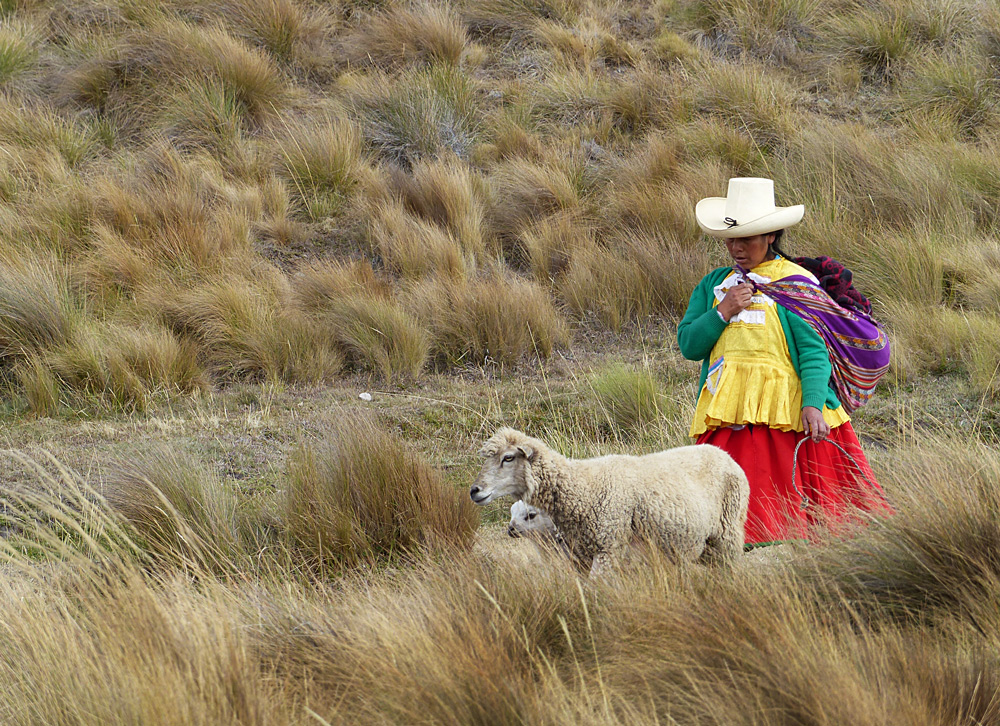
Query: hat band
[[731, 222]]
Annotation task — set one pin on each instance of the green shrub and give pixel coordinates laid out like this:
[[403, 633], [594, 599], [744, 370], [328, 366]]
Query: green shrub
[[629, 399]]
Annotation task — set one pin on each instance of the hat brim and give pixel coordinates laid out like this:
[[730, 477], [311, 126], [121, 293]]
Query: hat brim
[[711, 216]]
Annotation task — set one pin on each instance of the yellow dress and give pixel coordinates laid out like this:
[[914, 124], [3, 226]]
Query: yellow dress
[[751, 378]]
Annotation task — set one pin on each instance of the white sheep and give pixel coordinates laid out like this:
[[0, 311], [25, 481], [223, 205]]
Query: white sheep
[[534, 524], [531, 522], [690, 501]]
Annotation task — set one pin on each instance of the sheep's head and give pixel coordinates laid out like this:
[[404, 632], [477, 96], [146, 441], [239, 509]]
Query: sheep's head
[[529, 521], [506, 467]]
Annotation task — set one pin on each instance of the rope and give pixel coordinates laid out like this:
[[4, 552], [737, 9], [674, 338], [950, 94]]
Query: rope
[[795, 468]]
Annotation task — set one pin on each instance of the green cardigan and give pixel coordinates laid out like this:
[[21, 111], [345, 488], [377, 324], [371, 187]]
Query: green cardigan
[[701, 327]]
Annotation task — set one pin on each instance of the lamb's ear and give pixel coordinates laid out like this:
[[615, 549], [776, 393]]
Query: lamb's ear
[[527, 451]]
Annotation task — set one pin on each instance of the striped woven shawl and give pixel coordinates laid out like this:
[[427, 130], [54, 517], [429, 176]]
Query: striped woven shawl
[[859, 348]]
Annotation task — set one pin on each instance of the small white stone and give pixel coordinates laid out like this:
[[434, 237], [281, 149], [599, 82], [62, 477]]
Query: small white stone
[[365, 396]]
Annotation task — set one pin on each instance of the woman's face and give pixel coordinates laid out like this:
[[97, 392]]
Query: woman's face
[[748, 252]]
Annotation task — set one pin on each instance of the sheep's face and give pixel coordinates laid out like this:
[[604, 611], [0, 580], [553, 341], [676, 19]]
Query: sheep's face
[[503, 473], [529, 521]]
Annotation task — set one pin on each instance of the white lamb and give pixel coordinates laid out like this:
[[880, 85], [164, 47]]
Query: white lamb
[[534, 524], [690, 501], [531, 522]]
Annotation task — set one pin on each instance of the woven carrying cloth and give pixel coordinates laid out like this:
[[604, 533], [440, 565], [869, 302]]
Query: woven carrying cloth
[[859, 348]]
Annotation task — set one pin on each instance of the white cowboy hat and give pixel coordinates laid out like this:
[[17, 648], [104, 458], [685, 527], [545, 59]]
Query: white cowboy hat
[[746, 210]]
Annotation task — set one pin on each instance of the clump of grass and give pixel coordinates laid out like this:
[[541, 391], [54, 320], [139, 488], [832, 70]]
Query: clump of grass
[[319, 285], [294, 34], [377, 335], [119, 365], [204, 114], [747, 97], [572, 98], [670, 47], [933, 559], [36, 310], [634, 276], [514, 19], [131, 81], [326, 163], [392, 37], [770, 30], [732, 146], [176, 211], [958, 85], [492, 320], [243, 331], [628, 398], [182, 647], [885, 36], [18, 51], [904, 267], [522, 192], [981, 354], [367, 496], [936, 339], [600, 281], [972, 269], [40, 129], [422, 115], [40, 386], [414, 248], [655, 190], [449, 194], [552, 242], [180, 513]]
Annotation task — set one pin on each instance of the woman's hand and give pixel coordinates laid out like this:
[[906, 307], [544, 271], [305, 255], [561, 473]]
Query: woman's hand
[[737, 300], [813, 423]]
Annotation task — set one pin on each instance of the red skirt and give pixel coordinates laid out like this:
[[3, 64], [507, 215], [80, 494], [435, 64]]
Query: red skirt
[[836, 492]]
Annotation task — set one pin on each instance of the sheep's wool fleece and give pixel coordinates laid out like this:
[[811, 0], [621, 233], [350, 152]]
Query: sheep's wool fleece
[[681, 497]]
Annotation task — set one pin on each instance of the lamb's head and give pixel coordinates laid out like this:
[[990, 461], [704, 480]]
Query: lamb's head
[[506, 467], [529, 521]]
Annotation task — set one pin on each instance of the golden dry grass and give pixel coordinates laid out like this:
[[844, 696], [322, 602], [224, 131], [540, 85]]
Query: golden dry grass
[[907, 603], [482, 213]]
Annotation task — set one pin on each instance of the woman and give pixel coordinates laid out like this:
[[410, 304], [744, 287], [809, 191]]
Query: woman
[[765, 377]]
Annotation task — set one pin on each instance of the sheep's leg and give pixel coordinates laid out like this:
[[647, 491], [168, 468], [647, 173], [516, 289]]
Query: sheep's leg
[[601, 565], [726, 546]]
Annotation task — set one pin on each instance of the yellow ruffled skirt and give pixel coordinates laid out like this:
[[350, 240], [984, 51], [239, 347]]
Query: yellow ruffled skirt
[[748, 391]]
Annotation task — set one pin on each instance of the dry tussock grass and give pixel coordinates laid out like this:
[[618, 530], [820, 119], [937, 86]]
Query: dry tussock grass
[[568, 139], [365, 496], [450, 195], [326, 163], [489, 320], [243, 329], [295, 34], [522, 191], [422, 33], [422, 114], [120, 366], [130, 81], [432, 177], [906, 602]]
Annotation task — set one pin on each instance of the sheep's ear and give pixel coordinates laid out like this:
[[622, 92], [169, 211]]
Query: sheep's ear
[[526, 450]]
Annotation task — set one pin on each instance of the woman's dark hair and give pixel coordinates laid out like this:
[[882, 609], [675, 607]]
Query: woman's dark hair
[[778, 234]]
